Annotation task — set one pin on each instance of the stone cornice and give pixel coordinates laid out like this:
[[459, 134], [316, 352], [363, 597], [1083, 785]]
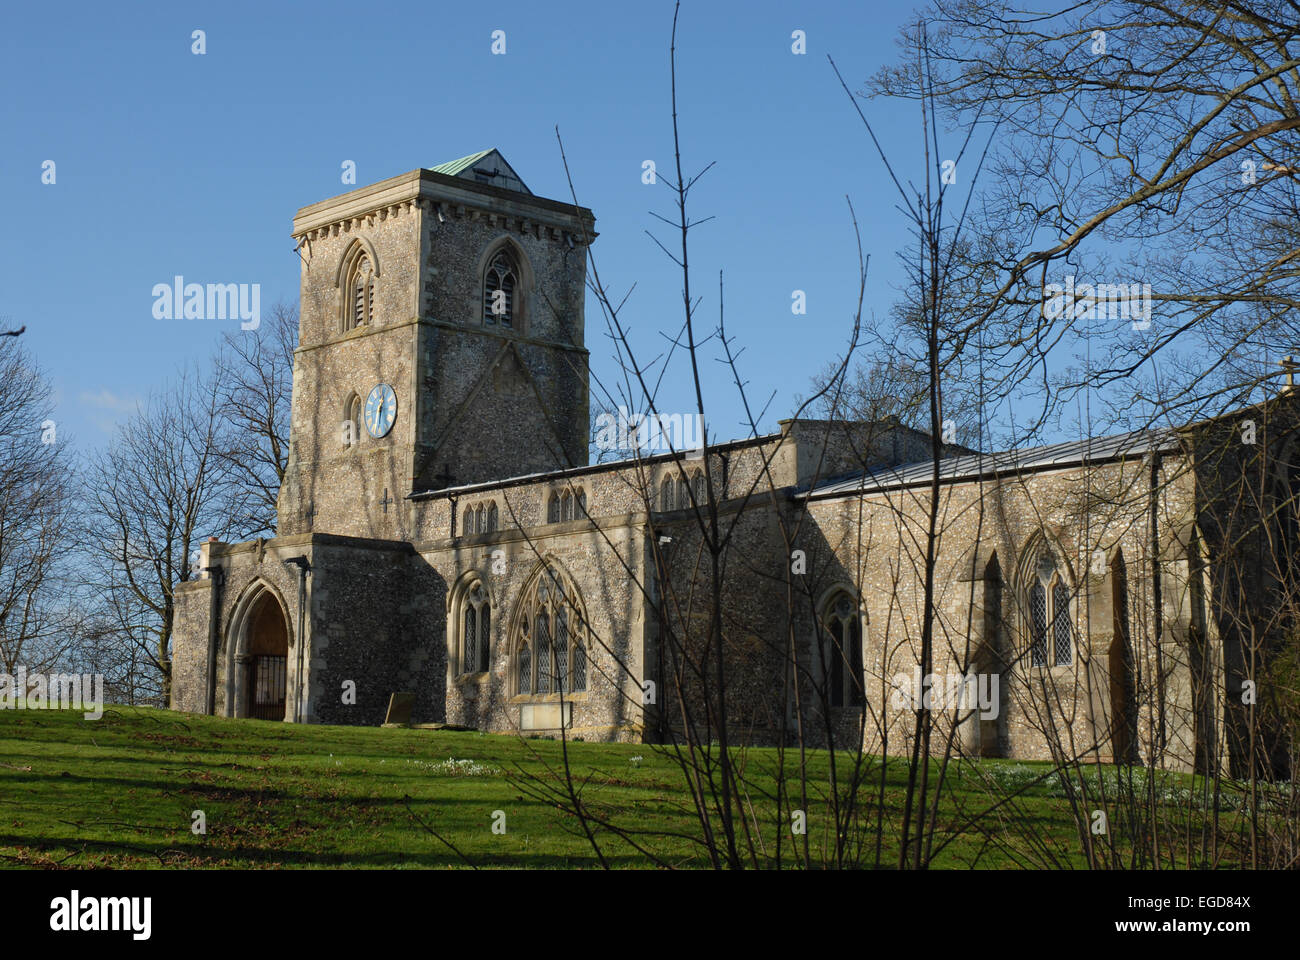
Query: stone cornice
[[455, 197]]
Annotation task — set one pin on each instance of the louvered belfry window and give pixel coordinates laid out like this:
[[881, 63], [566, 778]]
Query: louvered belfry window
[[499, 291], [363, 293]]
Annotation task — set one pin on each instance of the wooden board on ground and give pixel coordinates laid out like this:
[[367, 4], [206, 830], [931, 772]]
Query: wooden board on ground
[[399, 709]]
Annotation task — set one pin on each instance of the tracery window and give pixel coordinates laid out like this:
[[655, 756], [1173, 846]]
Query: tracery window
[[566, 505], [550, 641], [481, 518], [1061, 630], [475, 637], [676, 493], [700, 488], [840, 651], [499, 290], [1038, 636], [1051, 624], [667, 494]]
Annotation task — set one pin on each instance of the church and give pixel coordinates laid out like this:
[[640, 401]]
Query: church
[[442, 533]]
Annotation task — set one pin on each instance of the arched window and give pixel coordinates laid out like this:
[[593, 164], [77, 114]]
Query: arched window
[[475, 640], [499, 290], [361, 290], [492, 517], [566, 505], [550, 644], [667, 499], [352, 423], [840, 651], [700, 488], [1051, 624], [1061, 626], [471, 527], [1038, 627]]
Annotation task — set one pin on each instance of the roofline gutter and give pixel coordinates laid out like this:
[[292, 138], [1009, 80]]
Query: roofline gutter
[[982, 475]]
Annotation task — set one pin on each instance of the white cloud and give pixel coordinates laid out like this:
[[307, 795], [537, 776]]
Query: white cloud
[[111, 408]]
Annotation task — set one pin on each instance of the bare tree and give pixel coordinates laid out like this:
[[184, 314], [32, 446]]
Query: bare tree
[[887, 387], [1137, 144], [35, 519], [151, 496], [968, 316], [254, 373]]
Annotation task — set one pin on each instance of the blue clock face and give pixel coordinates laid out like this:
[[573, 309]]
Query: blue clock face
[[381, 410]]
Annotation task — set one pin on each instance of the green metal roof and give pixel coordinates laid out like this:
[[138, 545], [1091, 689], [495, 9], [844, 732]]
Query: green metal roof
[[454, 167], [502, 174]]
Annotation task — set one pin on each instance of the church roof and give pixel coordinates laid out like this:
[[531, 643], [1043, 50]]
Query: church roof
[[609, 466], [486, 166], [987, 465]]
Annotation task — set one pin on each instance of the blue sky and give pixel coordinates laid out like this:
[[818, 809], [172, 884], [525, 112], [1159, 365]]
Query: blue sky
[[172, 163]]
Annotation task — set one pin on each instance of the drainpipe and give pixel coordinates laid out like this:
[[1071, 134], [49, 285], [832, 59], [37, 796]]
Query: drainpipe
[[304, 568], [661, 571], [217, 574]]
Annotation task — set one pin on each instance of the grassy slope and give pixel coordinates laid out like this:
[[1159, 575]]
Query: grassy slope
[[120, 791]]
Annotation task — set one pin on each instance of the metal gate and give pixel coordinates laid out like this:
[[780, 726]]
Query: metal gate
[[268, 681]]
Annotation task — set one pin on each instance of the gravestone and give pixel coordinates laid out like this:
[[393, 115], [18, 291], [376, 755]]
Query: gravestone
[[399, 709]]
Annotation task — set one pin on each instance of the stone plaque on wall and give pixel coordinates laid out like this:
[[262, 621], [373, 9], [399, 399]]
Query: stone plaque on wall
[[544, 716]]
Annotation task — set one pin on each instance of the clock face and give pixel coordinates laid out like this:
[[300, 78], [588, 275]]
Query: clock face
[[381, 410]]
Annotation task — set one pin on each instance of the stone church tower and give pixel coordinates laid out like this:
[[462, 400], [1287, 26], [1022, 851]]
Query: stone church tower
[[413, 373], [442, 536]]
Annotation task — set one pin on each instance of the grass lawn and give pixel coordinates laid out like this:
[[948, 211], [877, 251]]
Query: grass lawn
[[120, 792]]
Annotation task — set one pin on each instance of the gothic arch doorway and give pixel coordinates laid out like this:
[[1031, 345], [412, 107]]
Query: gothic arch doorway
[[257, 666]]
